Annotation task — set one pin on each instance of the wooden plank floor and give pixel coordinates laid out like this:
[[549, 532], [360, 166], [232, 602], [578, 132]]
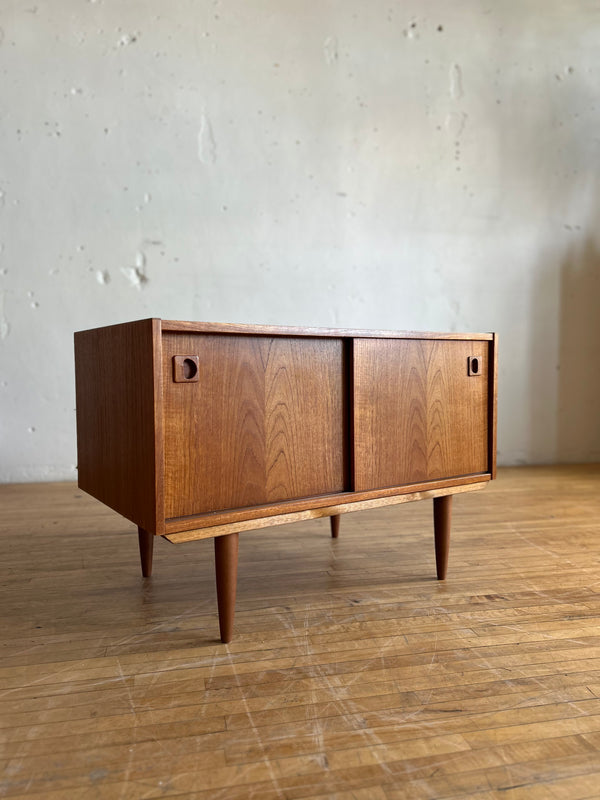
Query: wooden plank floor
[[353, 674]]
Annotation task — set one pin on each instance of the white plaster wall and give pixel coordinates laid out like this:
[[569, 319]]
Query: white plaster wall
[[406, 165]]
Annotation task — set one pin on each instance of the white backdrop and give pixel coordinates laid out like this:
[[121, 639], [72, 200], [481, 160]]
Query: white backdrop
[[406, 165]]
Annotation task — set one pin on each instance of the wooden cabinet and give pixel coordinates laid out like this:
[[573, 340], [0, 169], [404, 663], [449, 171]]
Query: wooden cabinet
[[196, 430]]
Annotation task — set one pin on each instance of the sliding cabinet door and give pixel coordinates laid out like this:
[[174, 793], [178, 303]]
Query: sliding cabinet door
[[420, 410], [258, 420]]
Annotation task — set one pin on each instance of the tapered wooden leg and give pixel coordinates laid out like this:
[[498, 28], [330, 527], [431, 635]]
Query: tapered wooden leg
[[226, 561], [335, 525], [146, 541], [442, 517]]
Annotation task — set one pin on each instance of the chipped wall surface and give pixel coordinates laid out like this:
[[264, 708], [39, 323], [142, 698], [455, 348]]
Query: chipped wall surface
[[406, 165]]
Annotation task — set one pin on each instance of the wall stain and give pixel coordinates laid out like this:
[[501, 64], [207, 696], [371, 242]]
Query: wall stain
[[411, 32], [456, 82], [455, 123], [207, 147], [127, 39], [567, 71], [4, 324], [136, 277], [330, 50]]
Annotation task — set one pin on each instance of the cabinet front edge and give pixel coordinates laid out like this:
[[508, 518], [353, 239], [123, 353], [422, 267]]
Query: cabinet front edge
[[175, 326], [178, 524], [315, 513]]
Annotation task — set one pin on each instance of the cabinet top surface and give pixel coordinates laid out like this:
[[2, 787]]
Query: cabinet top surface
[[178, 326]]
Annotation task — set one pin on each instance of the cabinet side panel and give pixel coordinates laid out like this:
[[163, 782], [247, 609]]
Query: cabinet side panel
[[263, 423], [114, 380], [493, 404]]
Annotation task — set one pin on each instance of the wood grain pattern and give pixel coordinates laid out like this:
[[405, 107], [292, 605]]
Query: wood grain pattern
[[270, 427], [442, 522], [264, 423], [418, 414], [354, 675], [146, 545], [119, 421], [177, 326], [226, 568], [191, 534], [334, 520], [352, 501]]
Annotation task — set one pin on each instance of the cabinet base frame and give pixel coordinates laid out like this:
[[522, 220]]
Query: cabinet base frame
[[227, 540], [316, 513]]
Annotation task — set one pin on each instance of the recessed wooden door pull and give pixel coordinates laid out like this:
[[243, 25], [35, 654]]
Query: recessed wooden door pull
[[474, 366], [185, 369]]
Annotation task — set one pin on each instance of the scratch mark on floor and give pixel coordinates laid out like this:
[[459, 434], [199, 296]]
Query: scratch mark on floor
[[267, 761]]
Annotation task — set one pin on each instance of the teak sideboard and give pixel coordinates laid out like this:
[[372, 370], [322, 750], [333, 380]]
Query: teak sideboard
[[196, 430]]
